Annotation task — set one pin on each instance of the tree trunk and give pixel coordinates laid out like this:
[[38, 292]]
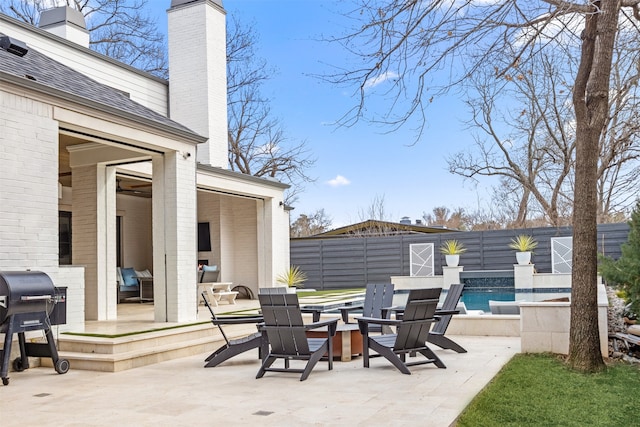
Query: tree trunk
[[590, 99]]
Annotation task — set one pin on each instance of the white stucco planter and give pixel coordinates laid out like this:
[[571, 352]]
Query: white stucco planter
[[523, 258], [452, 260]]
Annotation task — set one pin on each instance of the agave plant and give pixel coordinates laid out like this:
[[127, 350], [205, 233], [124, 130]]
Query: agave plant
[[523, 243], [293, 277], [452, 247]]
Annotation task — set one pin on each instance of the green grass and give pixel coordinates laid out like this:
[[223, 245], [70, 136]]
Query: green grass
[[540, 390], [126, 334], [330, 292]]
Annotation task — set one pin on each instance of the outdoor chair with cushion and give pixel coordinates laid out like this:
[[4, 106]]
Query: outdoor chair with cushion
[[234, 347], [378, 296], [287, 336], [127, 283], [134, 285], [411, 333], [208, 274], [145, 282], [450, 304]]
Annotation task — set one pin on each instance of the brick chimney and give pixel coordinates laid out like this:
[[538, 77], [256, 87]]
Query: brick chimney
[[67, 23], [198, 74]]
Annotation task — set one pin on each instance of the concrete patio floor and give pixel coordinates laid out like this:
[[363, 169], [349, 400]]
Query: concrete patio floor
[[182, 393]]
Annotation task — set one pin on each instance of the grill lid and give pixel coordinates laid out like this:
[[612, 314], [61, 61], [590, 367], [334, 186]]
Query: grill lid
[[25, 292]]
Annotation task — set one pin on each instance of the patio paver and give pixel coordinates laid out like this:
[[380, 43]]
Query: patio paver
[[182, 393]]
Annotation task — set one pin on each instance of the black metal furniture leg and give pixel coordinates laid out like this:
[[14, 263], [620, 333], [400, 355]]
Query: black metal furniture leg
[[6, 353], [24, 357]]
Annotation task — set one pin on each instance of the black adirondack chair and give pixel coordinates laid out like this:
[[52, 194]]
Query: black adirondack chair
[[377, 297], [234, 347], [287, 337], [315, 312], [411, 334], [436, 336], [274, 290]]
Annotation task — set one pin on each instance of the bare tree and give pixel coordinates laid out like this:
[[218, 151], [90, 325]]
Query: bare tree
[[376, 210], [619, 159], [309, 225], [120, 29], [444, 217], [401, 45], [530, 141], [258, 144], [377, 219]]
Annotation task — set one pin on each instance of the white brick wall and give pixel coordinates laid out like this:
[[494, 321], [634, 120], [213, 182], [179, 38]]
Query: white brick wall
[[227, 240], [28, 184], [198, 82], [246, 242], [136, 231], [71, 277], [209, 211]]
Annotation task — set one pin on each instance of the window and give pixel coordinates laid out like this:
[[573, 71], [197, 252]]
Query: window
[[64, 238]]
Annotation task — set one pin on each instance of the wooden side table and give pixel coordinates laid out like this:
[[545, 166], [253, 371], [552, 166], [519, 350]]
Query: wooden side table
[[346, 343]]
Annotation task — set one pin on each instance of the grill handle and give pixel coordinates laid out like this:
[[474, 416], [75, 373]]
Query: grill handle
[[35, 297]]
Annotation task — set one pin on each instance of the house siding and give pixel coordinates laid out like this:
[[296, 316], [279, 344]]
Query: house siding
[[141, 87]]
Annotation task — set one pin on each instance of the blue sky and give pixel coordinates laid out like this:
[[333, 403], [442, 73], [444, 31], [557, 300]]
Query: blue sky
[[354, 165]]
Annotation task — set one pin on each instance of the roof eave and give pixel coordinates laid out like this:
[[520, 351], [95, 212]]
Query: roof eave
[[57, 93], [242, 176]]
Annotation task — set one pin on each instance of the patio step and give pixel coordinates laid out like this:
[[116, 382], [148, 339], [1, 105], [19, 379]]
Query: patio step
[[132, 351]]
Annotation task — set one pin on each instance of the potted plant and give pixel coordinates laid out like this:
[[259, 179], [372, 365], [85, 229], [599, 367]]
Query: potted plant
[[452, 250], [293, 277], [524, 246]]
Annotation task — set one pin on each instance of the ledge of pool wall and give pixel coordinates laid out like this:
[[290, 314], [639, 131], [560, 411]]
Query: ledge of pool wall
[[541, 326], [544, 326], [524, 277]]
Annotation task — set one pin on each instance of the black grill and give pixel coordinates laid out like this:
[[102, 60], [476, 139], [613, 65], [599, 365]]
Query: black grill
[[28, 302]]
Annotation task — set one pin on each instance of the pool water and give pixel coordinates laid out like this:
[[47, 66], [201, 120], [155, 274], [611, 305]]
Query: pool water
[[478, 299], [482, 286]]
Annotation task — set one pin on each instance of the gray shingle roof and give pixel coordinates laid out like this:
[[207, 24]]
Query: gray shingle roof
[[41, 70]]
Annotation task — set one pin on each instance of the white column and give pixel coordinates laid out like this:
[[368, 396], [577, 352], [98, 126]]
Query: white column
[[450, 275], [523, 275], [273, 240], [109, 261], [174, 238], [93, 239]]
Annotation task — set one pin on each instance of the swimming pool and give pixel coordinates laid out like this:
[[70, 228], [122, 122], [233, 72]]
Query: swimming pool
[[499, 285]]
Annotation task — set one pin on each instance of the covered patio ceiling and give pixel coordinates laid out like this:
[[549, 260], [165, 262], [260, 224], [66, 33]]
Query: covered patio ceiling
[[126, 183]]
